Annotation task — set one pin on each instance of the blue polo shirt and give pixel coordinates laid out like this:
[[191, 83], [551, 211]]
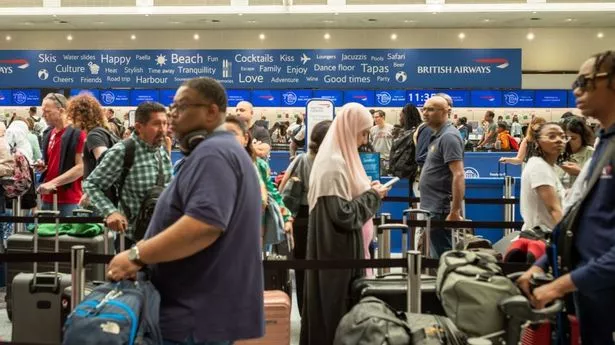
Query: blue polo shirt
[[217, 293]]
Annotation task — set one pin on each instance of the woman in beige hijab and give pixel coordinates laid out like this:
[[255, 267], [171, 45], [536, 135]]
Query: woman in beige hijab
[[342, 202]]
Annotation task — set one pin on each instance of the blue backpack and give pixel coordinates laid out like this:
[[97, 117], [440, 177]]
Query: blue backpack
[[122, 313]]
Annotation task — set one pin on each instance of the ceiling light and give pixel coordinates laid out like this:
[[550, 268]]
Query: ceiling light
[[8, 37], [327, 36], [133, 37], [252, 21], [434, 12], [174, 22], [534, 12], [147, 15], [393, 37], [55, 15], [461, 35], [240, 14], [409, 21], [600, 35], [530, 36], [336, 14], [328, 21], [99, 23], [486, 20], [196, 37], [261, 36], [570, 20], [69, 37], [27, 23]]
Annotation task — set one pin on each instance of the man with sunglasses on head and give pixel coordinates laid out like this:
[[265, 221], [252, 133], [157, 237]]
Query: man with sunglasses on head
[[62, 165], [591, 262], [149, 156]]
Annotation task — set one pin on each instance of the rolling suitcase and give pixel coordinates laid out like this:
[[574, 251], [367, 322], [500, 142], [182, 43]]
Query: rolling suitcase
[[393, 289], [277, 320], [21, 242], [37, 296]]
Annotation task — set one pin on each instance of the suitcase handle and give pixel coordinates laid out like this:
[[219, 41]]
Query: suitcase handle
[[37, 214], [392, 226], [417, 211]]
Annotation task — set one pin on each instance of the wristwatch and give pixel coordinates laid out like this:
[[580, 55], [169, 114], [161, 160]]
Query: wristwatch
[[133, 255]]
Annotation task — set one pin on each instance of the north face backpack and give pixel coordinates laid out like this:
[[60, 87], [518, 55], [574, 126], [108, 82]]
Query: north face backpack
[[22, 176], [122, 313], [402, 159]]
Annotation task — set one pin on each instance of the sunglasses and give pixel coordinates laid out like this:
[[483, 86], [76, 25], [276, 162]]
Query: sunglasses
[[583, 81]]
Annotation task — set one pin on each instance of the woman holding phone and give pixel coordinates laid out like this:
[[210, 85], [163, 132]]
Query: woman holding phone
[[342, 201]]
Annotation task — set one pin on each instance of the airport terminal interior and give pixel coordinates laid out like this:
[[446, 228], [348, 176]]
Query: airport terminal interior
[[298, 62]]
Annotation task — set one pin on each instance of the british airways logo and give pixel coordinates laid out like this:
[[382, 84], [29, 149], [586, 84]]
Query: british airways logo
[[480, 66], [6, 66], [498, 62]]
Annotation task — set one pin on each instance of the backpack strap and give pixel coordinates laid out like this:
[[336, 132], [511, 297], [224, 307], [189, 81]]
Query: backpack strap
[[129, 160], [570, 222], [160, 178]]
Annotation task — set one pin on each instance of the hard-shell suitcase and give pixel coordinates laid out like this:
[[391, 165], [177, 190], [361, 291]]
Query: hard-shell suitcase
[[37, 297], [277, 320], [22, 242], [393, 289]]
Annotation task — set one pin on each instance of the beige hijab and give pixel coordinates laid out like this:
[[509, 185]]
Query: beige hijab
[[337, 169]]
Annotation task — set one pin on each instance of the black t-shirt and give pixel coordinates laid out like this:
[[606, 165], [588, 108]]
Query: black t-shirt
[[97, 137]]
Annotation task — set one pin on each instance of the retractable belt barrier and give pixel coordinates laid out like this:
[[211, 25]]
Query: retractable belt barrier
[[475, 201]]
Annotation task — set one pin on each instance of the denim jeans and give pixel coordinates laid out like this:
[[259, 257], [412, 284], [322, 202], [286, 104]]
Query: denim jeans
[[190, 341], [440, 238], [66, 210]]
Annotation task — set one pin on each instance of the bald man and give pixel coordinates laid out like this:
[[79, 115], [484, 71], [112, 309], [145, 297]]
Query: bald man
[[442, 176], [260, 135]]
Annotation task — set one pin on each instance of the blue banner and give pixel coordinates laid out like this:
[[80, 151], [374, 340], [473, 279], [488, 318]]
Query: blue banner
[[263, 69], [371, 164]]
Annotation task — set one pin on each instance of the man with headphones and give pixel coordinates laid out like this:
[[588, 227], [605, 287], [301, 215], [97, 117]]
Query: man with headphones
[[150, 160], [203, 245]]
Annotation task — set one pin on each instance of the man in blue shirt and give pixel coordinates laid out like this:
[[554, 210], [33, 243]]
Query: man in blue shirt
[[593, 278], [203, 242]]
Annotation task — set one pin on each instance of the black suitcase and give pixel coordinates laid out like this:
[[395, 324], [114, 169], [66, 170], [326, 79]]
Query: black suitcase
[[392, 289]]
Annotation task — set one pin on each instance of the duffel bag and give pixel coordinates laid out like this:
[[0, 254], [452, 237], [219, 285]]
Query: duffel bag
[[373, 322], [470, 286]]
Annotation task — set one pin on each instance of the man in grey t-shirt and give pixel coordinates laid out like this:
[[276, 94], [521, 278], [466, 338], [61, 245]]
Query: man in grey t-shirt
[[490, 136], [442, 181], [381, 137]]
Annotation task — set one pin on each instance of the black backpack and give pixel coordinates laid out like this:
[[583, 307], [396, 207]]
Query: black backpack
[[148, 204], [402, 159]]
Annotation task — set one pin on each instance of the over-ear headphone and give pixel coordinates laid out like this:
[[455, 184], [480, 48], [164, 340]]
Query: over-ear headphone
[[192, 140]]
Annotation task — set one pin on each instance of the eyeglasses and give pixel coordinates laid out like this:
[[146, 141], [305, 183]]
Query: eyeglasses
[[180, 108], [582, 81], [555, 137], [431, 109]]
